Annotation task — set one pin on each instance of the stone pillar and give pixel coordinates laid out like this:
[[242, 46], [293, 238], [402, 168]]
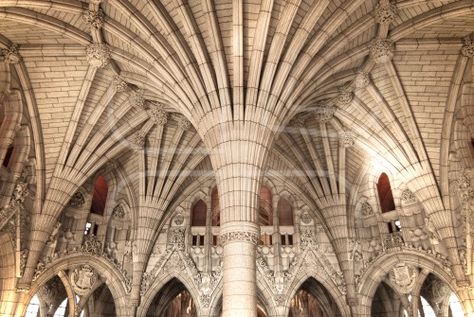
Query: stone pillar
[[238, 154]]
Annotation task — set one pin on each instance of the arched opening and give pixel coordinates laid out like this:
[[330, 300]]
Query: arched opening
[[386, 302], [387, 203], [385, 194], [99, 197], [172, 300], [198, 223], [33, 308], [8, 156], [313, 300], [265, 216], [198, 214], [285, 221], [100, 303]]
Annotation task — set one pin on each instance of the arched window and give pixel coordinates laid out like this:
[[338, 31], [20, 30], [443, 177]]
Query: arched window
[[99, 198], [216, 217], [8, 156], [285, 220], [265, 216], [198, 214], [285, 213], [385, 193]]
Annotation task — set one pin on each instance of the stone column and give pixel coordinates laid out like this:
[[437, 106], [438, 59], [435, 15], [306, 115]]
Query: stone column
[[238, 155]]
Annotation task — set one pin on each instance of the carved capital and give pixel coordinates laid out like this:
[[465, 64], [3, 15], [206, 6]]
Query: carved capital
[[11, 55], [94, 18], [183, 123], [325, 112], [385, 12], [137, 99], [408, 197], [468, 48], [246, 236], [344, 98], [381, 50], [120, 85], [362, 80], [138, 139], [98, 55], [347, 138], [158, 114]]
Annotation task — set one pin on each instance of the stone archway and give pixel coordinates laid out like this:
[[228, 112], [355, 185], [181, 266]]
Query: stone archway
[[381, 267], [114, 280]]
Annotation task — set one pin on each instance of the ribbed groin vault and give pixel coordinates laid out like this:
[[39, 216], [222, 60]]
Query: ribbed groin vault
[[236, 158]]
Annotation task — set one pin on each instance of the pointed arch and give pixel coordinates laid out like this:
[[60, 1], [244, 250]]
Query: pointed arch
[[99, 197], [384, 190]]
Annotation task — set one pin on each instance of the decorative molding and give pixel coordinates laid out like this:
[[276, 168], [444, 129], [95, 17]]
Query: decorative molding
[[98, 55], [246, 236], [381, 50]]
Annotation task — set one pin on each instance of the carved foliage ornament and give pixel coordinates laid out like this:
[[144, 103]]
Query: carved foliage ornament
[[98, 55], [362, 80], [228, 237], [120, 85], [77, 200], [158, 114], [325, 113], [381, 50], [366, 209], [403, 277], [83, 279], [347, 138], [11, 55], [468, 48], [408, 197], [118, 212], [94, 18]]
